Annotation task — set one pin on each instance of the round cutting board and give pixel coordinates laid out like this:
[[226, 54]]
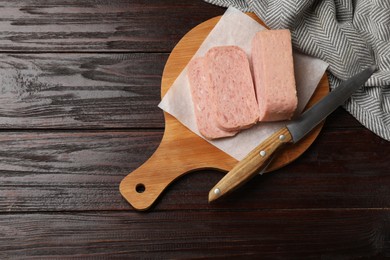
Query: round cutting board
[[181, 151]]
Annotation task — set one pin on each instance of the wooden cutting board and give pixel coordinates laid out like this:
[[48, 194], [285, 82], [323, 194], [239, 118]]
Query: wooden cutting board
[[181, 151]]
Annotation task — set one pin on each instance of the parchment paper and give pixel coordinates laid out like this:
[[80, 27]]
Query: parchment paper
[[236, 28]]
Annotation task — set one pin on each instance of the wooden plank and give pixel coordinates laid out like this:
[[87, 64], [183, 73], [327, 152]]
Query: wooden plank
[[309, 234], [90, 25], [65, 170], [90, 91], [80, 90], [77, 171]]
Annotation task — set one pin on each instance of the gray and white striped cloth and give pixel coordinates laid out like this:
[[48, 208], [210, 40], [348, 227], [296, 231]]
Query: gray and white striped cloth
[[349, 35]]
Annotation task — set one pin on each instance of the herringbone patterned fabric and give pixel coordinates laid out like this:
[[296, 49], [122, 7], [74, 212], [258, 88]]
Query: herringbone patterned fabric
[[348, 34]]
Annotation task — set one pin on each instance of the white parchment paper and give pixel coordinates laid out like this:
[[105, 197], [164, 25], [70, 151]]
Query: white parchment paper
[[236, 28]]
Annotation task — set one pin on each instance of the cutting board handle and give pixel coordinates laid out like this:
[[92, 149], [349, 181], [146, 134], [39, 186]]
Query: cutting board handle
[[180, 152], [137, 189], [142, 187]]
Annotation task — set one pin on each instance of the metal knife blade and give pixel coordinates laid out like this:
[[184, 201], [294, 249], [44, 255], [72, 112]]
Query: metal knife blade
[[313, 116], [259, 157]]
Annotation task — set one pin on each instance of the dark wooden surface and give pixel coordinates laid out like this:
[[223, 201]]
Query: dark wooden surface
[[80, 84]]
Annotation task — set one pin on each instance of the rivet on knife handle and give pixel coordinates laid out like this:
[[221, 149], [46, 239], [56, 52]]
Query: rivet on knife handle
[[253, 163]]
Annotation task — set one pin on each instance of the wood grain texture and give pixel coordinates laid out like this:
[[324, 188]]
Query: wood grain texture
[[64, 170], [81, 170], [177, 234], [59, 180], [80, 90], [92, 25]]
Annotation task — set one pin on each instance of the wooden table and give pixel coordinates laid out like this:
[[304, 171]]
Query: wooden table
[[80, 84]]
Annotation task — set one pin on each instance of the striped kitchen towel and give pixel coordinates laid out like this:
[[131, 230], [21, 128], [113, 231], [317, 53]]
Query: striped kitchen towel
[[349, 35]]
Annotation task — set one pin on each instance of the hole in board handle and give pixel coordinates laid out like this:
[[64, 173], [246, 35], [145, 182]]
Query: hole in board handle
[[140, 188]]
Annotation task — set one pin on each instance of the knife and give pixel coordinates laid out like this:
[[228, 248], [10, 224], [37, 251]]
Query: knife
[[260, 157]]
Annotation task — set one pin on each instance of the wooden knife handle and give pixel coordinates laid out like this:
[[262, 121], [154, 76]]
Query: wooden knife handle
[[256, 161]]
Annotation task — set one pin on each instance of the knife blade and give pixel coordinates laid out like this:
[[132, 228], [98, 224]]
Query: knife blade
[[260, 157]]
